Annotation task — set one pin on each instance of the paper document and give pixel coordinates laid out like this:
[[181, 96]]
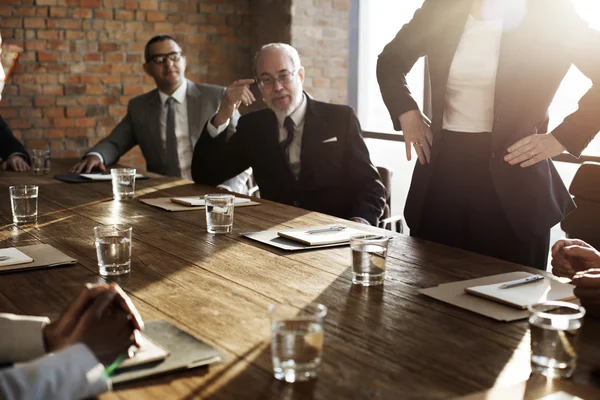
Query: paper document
[[12, 256], [199, 201], [322, 234], [147, 353], [104, 177]]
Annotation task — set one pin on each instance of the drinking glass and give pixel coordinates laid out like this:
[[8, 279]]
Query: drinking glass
[[40, 161], [113, 248], [219, 212], [555, 327], [24, 203], [369, 254], [123, 183], [297, 341]]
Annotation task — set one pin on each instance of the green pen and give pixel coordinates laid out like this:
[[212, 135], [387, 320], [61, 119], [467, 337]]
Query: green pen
[[110, 370]]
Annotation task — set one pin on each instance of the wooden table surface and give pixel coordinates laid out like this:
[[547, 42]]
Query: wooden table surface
[[384, 342]]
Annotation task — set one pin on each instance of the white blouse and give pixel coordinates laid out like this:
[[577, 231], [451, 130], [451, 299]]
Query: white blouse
[[472, 78]]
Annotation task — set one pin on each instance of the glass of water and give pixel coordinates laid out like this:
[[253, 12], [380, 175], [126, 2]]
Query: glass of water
[[24, 202], [555, 327], [297, 342], [219, 212], [123, 183], [369, 253], [40, 161], [113, 248]]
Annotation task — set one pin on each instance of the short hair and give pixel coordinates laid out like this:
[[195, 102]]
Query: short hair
[[156, 39], [291, 52]]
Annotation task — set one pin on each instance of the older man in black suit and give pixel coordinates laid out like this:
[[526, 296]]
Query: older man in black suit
[[303, 152]]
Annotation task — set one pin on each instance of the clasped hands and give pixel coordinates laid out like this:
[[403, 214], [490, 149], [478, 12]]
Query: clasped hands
[[527, 151], [103, 318], [575, 259]]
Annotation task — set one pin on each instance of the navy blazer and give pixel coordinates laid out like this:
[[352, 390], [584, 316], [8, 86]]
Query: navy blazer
[[541, 40], [336, 175], [9, 144]]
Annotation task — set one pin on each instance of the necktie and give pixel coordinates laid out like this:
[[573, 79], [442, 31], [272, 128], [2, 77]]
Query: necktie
[[172, 156], [289, 127]]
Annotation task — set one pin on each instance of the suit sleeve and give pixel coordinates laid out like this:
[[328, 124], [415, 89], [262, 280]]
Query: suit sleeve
[[362, 178], [398, 58], [119, 142], [221, 158], [580, 127], [9, 144], [72, 373]]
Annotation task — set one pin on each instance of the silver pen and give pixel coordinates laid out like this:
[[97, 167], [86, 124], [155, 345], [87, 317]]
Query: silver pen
[[336, 228], [521, 282]]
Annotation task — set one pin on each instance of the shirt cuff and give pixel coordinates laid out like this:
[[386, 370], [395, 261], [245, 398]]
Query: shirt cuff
[[93, 153], [24, 340], [17, 154], [214, 132]]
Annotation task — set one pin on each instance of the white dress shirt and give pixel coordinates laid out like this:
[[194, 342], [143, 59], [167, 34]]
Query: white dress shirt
[[184, 142], [472, 79], [72, 373]]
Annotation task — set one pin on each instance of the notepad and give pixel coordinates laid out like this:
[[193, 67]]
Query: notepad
[[148, 352], [322, 234], [104, 177], [199, 201], [13, 256], [546, 289]]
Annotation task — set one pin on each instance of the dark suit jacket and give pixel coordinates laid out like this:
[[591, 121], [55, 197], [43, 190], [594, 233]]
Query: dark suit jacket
[[540, 42], [9, 144], [336, 177]]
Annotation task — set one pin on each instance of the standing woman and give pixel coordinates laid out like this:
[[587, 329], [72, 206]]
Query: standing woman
[[484, 181]]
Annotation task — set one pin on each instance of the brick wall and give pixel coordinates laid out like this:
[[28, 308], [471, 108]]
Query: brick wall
[[83, 58], [83, 61]]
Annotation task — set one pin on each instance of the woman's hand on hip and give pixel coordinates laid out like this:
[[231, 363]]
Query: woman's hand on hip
[[417, 133], [533, 149]]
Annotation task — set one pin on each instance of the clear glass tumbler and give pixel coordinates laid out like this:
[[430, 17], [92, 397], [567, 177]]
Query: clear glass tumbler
[[369, 253], [24, 203], [123, 183], [219, 212], [113, 248]]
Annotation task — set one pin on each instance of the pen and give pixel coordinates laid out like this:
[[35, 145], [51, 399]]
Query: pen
[[110, 370], [520, 282], [336, 228]]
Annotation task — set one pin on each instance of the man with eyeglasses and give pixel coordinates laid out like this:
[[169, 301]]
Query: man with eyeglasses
[[303, 152], [166, 122]]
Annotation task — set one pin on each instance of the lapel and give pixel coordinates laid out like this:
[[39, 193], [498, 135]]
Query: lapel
[[192, 95], [154, 125], [314, 132]]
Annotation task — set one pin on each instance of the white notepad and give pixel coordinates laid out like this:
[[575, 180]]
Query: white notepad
[[12, 256], [546, 289], [147, 352], [322, 234], [104, 177], [199, 201]]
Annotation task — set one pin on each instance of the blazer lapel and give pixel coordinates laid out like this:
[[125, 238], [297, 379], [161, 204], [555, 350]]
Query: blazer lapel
[[193, 110], [314, 132]]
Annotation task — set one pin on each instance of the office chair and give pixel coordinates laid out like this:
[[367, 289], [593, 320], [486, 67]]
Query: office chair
[[388, 221]]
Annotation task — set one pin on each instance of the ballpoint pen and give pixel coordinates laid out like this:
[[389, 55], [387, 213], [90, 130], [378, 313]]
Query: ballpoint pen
[[520, 282], [336, 228]]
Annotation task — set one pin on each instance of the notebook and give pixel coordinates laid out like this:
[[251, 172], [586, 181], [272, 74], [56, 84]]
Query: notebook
[[322, 234], [13, 256], [40, 256], [199, 201], [104, 177], [148, 352], [83, 178], [546, 289]]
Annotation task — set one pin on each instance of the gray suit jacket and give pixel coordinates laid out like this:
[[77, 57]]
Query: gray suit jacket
[[141, 126]]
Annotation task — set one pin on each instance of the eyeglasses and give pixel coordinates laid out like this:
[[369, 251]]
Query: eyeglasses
[[160, 58], [268, 80]]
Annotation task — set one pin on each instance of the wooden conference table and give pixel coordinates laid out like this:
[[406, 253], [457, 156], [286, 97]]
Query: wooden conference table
[[380, 343]]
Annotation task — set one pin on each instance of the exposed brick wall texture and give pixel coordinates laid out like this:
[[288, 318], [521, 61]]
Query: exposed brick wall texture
[[320, 34], [83, 61]]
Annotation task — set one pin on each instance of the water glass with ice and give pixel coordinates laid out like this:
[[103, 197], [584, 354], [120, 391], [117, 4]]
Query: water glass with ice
[[297, 341], [24, 203], [40, 161], [123, 183], [219, 212], [113, 248], [555, 327], [369, 253]]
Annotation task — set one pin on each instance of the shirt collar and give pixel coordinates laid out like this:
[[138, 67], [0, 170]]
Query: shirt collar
[[178, 95], [299, 113]]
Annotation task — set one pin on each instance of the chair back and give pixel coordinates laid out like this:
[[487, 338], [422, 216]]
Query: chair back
[[387, 221]]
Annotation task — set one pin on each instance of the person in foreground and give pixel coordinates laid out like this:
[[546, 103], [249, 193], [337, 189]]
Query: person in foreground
[[12, 152], [577, 260], [166, 122], [485, 181], [66, 359], [303, 152]]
